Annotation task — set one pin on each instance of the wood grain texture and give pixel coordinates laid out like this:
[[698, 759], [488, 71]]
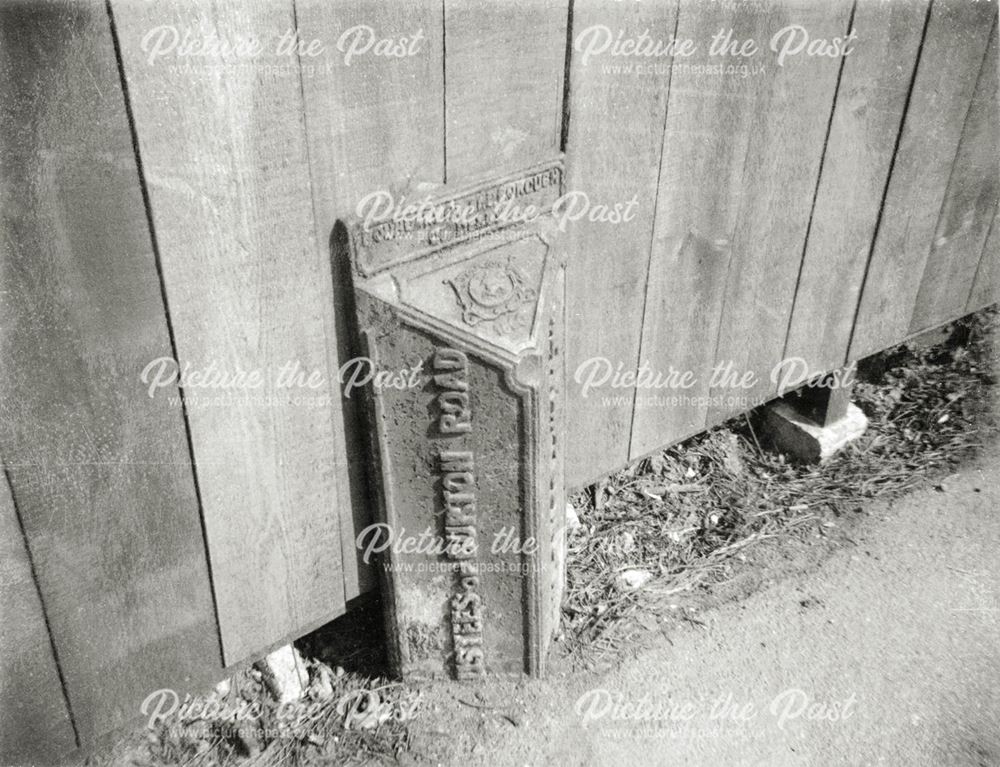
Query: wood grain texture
[[707, 139], [376, 122], [953, 49], [969, 204], [373, 123], [867, 118], [503, 84], [613, 156], [778, 182], [986, 287], [222, 142], [35, 727], [99, 470]]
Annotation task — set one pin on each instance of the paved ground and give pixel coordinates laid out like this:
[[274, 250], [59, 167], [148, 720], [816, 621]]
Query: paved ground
[[888, 653]]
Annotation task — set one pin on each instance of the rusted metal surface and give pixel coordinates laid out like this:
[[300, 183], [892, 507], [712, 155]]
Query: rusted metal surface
[[468, 448]]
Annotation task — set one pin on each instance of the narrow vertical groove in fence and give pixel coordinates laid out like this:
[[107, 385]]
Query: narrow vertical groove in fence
[[953, 48], [225, 161], [643, 315], [567, 68], [967, 211], [613, 157], [36, 725], [373, 124], [866, 123], [98, 469], [986, 285], [444, 89]]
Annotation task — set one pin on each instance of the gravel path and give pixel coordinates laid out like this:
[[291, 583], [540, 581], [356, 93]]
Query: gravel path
[[886, 654]]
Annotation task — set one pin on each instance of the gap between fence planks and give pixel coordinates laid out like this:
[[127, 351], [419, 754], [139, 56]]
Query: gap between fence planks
[[986, 287], [35, 726]]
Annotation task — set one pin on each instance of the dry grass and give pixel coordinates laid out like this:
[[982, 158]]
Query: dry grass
[[346, 719], [353, 716], [684, 514]]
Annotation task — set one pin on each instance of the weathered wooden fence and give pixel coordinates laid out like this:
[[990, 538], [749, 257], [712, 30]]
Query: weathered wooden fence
[[160, 206], [824, 209]]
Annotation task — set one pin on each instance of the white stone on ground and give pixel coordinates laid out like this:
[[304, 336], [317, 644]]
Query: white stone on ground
[[284, 673], [628, 580], [802, 438]]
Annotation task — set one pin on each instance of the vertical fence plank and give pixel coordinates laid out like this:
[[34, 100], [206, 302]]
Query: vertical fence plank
[[373, 123], [866, 122], [35, 727], [707, 138], [986, 287], [222, 142], [954, 44], [100, 472], [778, 183], [968, 208], [613, 155], [503, 84]]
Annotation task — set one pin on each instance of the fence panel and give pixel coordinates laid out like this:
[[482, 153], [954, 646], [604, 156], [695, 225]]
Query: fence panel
[[503, 84], [614, 144], [950, 60], [871, 99], [738, 170], [224, 156], [969, 204], [755, 257], [707, 136], [778, 185], [100, 472]]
